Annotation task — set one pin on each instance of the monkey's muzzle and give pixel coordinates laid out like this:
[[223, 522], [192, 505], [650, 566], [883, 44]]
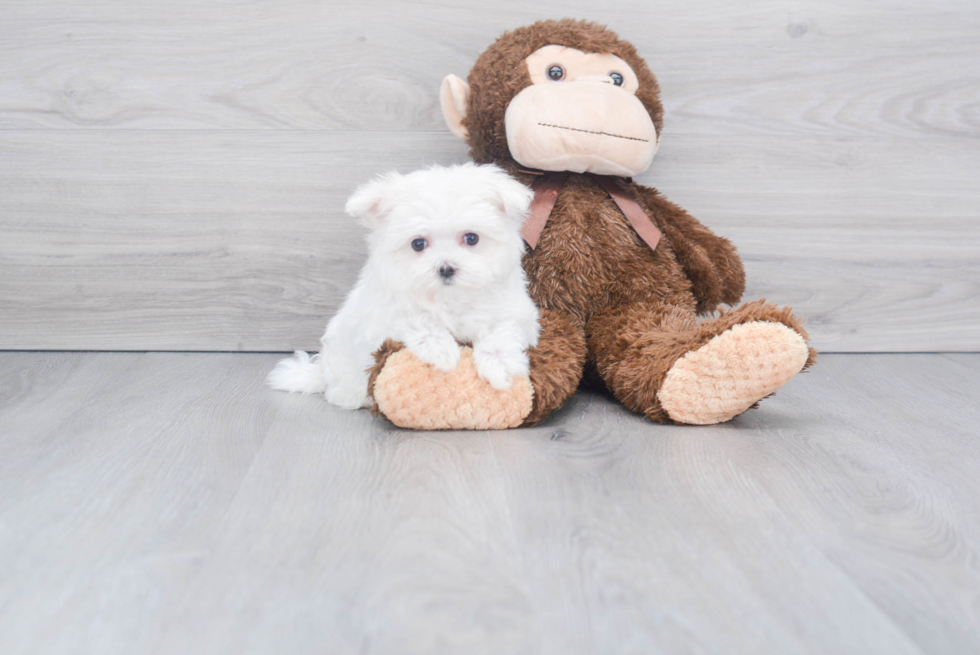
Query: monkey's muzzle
[[582, 127]]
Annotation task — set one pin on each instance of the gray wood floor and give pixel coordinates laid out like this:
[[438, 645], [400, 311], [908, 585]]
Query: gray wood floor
[[168, 503]]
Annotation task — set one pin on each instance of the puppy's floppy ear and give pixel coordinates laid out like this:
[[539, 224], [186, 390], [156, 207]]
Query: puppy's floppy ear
[[369, 203], [512, 197]]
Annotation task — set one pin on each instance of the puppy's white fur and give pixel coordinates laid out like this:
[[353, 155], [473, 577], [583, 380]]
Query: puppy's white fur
[[401, 295]]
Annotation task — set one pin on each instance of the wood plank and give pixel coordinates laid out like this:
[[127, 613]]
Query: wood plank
[[185, 240], [900, 68], [874, 242], [164, 503], [905, 438], [175, 240]]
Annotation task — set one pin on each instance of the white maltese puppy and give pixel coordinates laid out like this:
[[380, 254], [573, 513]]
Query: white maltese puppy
[[444, 264]]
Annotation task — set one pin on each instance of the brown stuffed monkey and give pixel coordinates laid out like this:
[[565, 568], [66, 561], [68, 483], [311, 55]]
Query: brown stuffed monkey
[[618, 272]]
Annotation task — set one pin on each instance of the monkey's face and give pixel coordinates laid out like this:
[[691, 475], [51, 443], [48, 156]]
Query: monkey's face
[[589, 105], [580, 114]]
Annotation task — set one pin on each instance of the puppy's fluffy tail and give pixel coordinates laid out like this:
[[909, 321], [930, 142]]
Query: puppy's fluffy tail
[[298, 373]]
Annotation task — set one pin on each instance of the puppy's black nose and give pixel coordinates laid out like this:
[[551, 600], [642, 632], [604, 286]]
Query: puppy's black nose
[[446, 272]]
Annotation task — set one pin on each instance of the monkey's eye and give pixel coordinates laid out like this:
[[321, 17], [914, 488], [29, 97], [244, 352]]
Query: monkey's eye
[[617, 78], [419, 245], [556, 73], [470, 239]]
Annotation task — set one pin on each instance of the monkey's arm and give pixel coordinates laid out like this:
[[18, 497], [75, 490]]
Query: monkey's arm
[[710, 261]]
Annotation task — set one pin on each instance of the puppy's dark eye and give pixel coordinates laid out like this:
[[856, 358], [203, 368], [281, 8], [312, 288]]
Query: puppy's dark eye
[[471, 238], [419, 245], [617, 78], [556, 73]]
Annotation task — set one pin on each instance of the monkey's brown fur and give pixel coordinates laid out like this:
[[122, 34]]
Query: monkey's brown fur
[[608, 302]]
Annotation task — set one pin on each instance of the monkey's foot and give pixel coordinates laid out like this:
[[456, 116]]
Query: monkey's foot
[[732, 372], [412, 394]]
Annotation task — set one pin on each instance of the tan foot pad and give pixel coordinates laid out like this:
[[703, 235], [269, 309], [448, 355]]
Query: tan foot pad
[[412, 394], [733, 371]]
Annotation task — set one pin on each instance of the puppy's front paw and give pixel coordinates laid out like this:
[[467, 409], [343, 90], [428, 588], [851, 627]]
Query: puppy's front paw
[[347, 397], [499, 368], [492, 370], [442, 353]]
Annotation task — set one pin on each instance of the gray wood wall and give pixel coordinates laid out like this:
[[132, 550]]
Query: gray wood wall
[[172, 172]]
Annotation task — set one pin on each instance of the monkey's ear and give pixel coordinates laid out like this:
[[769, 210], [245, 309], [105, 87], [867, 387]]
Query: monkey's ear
[[369, 203], [454, 96]]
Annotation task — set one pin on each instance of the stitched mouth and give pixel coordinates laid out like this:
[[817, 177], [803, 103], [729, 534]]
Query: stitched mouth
[[576, 129]]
